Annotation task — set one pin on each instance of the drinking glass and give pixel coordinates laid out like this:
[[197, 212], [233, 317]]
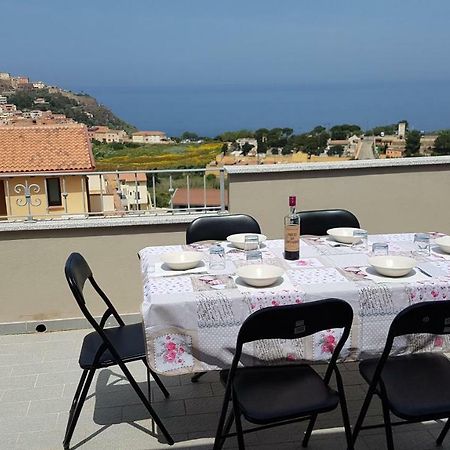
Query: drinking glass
[[253, 254], [422, 244], [363, 239], [217, 257], [380, 249]]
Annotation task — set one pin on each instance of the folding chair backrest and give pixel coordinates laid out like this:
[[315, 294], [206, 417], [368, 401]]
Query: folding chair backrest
[[296, 321], [319, 221], [431, 317], [220, 227], [77, 272]]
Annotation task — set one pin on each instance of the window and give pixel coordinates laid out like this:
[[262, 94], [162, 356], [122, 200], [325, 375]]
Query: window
[[53, 192]]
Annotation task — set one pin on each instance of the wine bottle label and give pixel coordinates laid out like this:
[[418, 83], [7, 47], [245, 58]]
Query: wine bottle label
[[291, 238]]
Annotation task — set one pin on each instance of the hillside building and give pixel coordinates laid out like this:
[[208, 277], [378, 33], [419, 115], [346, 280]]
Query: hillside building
[[150, 137]]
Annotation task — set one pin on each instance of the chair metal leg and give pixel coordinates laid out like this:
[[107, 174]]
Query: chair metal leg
[[197, 376], [362, 414], [76, 397], [443, 433], [157, 380], [344, 410], [308, 431], [387, 424], [222, 438], [77, 404], [218, 441], [237, 418], [146, 402]]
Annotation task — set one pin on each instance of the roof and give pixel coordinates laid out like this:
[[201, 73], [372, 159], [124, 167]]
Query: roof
[[149, 133], [131, 177], [197, 197], [46, 148]]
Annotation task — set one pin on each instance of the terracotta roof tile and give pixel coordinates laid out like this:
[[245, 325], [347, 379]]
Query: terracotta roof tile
[[45, 148]]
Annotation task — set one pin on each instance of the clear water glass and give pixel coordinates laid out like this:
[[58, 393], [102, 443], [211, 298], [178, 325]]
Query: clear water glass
[[380, 249], [217, 257], [422, 244], [253, 254], [362, 243]]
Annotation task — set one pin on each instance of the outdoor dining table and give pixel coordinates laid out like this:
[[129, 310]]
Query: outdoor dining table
[[192, 318]]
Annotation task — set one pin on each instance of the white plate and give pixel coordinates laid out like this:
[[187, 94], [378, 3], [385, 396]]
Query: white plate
[[238, 240], [260, 275], [444, 243], [181, 260], [392, 265], [344, 235]]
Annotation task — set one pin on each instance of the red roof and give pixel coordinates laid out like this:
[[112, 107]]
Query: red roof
[[197, 197], [46, 148]]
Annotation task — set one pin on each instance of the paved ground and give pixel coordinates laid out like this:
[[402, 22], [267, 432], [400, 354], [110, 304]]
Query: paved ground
[[366, 151], [39, 373]]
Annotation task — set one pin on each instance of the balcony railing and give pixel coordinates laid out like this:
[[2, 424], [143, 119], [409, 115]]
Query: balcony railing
[[81, 195]]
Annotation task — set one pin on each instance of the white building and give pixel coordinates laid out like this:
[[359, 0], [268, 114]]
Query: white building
[[150, 137], [39, 84], [5, 76], [3, 100]]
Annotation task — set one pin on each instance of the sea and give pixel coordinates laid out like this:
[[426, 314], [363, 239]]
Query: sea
[[212, 109]]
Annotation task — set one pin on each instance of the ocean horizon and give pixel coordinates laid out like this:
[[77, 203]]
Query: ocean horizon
[[211, 110]]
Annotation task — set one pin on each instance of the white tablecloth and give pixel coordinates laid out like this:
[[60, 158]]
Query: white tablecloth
[[191, 321]]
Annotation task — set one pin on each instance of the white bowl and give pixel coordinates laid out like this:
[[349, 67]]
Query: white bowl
[[392, 265], [444, 243], [344, 235], [238, 240], [182, 260], [260, 275]]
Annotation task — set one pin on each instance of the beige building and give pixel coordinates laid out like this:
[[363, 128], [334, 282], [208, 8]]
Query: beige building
[[106, 134], [150, 137], [58, 151]]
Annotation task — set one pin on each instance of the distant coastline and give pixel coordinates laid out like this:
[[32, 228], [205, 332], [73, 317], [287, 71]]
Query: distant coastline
[[211, 110]]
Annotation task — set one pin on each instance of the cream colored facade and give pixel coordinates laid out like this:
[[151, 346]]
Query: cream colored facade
[[146, 137], [15, 204]]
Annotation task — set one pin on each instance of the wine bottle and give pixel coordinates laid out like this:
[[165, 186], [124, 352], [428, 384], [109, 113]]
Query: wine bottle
[[292, 231]]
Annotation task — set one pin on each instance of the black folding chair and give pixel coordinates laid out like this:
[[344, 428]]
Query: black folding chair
[[318, 222], [270, 396], [414, 387], [218, 228], [106, 347]]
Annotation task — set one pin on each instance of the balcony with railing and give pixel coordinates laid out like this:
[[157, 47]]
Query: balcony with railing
[[38, 371]]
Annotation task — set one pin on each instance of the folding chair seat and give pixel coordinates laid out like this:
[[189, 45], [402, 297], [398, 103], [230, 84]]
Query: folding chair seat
[[106, 347], [273, 395], [261, 402], [317, 222], [127, 340], [410, 386]]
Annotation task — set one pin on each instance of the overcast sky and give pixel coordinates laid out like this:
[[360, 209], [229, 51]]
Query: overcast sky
[[232, 42]]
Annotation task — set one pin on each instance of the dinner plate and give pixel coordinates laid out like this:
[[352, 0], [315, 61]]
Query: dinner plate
[[260, 275], [392, 265], [444, 243], [182, 260], [238, 240], [344, 234]]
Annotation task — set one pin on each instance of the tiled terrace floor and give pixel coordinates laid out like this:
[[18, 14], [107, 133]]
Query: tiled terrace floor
[[39, 373]]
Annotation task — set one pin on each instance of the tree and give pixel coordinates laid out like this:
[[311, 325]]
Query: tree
[[189, 135], [412, 145], [336, 150], [317, 130], [224, 149], [246, 148], [442, 143], [341, 132]]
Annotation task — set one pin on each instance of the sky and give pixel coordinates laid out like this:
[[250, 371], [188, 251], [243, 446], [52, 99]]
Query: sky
[[235, 46]]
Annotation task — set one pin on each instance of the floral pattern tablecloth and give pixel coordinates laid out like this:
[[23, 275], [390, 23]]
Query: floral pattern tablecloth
[[191, 321]]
